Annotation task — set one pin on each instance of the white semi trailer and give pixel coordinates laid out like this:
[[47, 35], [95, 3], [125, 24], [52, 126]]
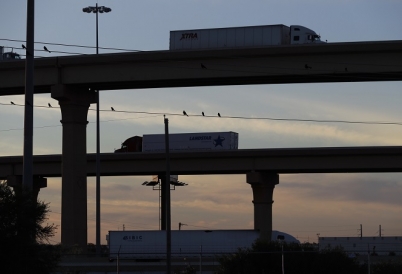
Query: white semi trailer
[[203, 141], [189, 243], [181, 142], [184, 243], [242, 37]]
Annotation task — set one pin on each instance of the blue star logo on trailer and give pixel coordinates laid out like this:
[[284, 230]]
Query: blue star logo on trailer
[[219, 141]]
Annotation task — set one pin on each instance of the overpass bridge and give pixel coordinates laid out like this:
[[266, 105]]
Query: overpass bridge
[[73, 81], [242, 161], [311, 63]]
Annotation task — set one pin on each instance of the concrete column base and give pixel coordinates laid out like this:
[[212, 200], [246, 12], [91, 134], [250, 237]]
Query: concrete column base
[[263, 184]]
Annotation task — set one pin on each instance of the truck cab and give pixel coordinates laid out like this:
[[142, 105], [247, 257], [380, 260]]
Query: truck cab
[[4, 56], [11, 56], [303, 35]]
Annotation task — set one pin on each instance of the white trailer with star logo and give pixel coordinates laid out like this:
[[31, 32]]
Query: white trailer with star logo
[[203, 141]]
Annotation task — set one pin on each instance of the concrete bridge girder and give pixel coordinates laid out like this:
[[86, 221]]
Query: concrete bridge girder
[[327, 62]]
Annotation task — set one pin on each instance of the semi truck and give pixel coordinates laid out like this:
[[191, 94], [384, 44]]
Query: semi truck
[[8, 55], [242, 37], [203, 141], [188, 243], [184, 243]]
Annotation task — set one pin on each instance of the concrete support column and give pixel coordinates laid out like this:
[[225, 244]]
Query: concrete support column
[[263, 184], [74, 106]]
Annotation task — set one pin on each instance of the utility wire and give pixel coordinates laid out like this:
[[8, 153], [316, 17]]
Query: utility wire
[[70, 45], [234, 117]]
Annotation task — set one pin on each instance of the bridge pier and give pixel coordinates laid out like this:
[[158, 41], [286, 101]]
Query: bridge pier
[[74, 106], [263, 184]]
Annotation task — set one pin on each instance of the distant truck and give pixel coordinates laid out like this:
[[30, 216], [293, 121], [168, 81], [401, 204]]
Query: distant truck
[[242, 37], [182, 142], [151, 244], [8, 55], [188, 243]]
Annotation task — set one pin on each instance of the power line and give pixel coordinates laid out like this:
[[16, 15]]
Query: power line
[[234, 117], [70, 45]]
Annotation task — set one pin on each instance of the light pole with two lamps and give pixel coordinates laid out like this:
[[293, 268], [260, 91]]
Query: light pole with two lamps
[[97, 9]]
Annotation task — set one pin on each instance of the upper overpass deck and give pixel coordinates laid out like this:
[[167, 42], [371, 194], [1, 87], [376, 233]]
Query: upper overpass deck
[[331, 62]]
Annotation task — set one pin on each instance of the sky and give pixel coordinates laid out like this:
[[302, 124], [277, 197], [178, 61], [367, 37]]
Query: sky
[[305, 205]]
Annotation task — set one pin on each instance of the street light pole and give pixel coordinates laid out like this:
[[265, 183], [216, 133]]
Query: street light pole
[[97, 10], [29, 98]]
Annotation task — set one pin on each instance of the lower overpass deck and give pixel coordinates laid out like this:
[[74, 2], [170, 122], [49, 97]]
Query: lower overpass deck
[[277, 160]]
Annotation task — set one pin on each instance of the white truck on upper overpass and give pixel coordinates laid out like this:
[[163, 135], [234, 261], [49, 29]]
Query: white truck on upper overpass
[[242, 37]]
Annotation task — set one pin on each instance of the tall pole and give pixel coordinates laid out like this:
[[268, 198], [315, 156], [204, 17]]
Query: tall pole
[[96, 10], [29, 91], [167, 199], [98, 228], [283, 261]]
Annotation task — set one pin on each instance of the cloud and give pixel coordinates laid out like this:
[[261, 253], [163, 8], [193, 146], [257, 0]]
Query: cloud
[[369, 188]]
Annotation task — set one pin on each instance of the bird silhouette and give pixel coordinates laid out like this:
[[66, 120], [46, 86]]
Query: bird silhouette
[[45, 48], [24, 47], [49, 105], [112, 108], [203, 67], [203, 114], [307, 66], [219, 114], [185, 113], [12, 103]]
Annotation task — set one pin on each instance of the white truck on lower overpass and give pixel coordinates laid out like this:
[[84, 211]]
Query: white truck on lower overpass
[[200, 141], [242, 37]]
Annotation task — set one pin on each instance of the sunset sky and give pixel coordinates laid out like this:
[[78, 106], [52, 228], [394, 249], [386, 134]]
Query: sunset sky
[[305, 204]]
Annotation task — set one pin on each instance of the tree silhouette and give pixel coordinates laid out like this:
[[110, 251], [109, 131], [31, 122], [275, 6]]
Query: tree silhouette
[[23, 237]]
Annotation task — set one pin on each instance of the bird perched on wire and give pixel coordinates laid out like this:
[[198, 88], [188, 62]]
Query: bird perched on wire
[[112, 108], [219, 114], [12, 103], [24, 47], [49, 105], [45, 48], [203, 114], [185, 113]]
